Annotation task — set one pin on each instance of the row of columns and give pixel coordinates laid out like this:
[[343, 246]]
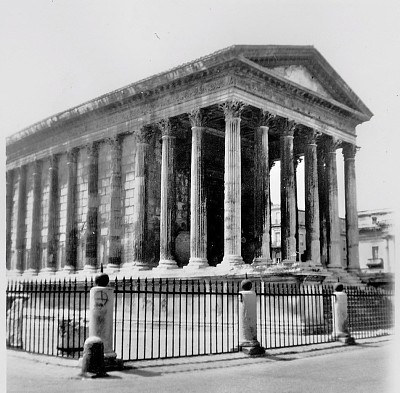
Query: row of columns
[[321, 200]]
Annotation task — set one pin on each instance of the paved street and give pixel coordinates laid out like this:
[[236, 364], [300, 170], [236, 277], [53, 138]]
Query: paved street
[[361, 368]]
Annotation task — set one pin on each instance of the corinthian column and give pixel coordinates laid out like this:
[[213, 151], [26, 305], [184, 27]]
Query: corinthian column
[[115, 224], [52, 216], [9, 214], [36, 204], [262, 211], [140, 201], [323, 202], [198, 210], [92, 212], [349, 152], [20, 238], [168, 200], [232, 186], [288, 192], [313, 252], [70, 227], [333, 205]]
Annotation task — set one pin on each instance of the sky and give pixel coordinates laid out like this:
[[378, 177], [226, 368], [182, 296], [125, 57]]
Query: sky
[[58, 54]]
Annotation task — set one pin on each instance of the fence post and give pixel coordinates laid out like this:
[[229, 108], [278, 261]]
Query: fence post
[[340, 316], [101, 303], [248, 342]]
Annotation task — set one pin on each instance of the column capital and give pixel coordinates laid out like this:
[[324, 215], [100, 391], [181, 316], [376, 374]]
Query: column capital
[[166, 128], [197, 117], [114, 141], [37, 166], [265, 119], [349, 150], [92, 148], [332, 144], [144, 134], [53, 161], [309, 134], [287, 126], [232, 109], [72, 155]]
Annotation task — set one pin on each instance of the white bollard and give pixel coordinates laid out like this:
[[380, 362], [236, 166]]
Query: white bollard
[[248, 342], [101, 304], [340, 316]]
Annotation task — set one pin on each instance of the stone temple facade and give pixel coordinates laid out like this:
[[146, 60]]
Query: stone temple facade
[[173, 171]]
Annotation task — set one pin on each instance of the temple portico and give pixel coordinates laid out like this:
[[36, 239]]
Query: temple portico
[[174, 171]]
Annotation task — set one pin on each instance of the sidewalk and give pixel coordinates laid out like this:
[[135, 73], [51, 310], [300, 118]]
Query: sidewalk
[[38, 373]]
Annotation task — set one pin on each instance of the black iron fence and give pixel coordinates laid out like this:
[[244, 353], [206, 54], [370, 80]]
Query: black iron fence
[[162, 318]]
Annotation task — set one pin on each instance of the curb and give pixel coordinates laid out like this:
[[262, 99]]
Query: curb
[[172, 365]]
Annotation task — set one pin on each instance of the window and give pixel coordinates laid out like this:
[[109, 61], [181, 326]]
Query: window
[[374, 220], [301, 240], [375, 252]]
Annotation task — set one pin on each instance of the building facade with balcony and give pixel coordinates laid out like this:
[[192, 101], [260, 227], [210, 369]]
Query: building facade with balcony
[[377, 241]]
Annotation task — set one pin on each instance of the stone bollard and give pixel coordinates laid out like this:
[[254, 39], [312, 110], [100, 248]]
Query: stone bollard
[[93, 358], [248, 342], [101, 305], [340, 316]]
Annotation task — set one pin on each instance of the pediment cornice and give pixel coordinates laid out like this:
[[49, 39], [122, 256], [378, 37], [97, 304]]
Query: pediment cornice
[[234, 61]]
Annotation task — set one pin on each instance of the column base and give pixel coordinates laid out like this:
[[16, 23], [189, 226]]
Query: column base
[[47, 271], [231, 261], [166, 264], [68, 269], [89, 269], [111, 268], [261, 262], [289, 262], [130, 267], [197, 263], [30, 273]]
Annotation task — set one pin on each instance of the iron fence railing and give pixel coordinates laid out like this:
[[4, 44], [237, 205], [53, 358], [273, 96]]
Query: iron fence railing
[[291, 314], [163, 318]]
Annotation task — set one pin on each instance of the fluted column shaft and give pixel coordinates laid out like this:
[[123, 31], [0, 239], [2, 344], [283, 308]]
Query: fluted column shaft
[[168, 200], [9, 214], [115, 224], [20, 238], [51, 260], [311, 200], [333, 205], [198, 209], [232, 187], [262, 254], [349, 152], [93, 206], [71, 226], [36, 209], [323, 203], [140, 199], [288, 194]]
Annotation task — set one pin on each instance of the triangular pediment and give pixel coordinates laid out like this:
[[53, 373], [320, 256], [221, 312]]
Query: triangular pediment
[[300, 75], [305, 67]]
